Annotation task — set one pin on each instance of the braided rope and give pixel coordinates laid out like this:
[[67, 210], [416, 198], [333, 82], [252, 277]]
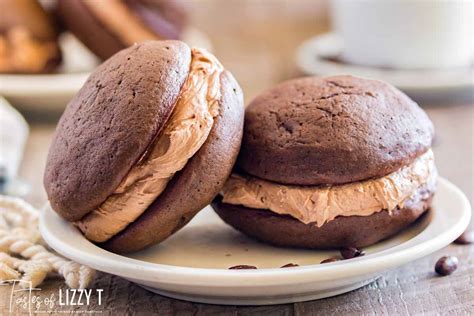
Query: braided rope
[[8, 273], [34, 271], [19, 235]]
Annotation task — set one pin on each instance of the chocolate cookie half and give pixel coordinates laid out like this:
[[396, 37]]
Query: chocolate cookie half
[[147, 142], [329, 163], [107, 26]]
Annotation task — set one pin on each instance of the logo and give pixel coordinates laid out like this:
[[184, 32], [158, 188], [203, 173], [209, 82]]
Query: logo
[[24, 298]]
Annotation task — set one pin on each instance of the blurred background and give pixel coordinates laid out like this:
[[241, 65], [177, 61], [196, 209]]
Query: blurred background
[[423, 47]]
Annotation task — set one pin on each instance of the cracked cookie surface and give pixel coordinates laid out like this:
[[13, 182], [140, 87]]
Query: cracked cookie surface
[[332, 130]]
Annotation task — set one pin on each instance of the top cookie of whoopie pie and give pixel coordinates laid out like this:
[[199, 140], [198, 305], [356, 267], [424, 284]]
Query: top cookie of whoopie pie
[[147, 142], [330, 162]]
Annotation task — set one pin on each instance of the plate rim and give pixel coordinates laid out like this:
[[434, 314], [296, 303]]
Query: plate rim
[[131, 268], [307, 60], [12, 85]]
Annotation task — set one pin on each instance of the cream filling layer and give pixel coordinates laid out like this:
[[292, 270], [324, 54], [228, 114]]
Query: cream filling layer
[[321, 204], [184, 134]]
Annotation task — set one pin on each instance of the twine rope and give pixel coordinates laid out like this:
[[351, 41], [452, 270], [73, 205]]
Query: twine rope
[[19, 236]]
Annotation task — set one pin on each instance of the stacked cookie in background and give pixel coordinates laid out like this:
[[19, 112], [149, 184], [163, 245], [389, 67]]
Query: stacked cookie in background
[[29, 33], [106, 27], [28, 38]]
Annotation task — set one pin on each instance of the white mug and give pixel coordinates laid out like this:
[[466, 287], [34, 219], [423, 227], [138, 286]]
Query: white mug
[[406, 34]]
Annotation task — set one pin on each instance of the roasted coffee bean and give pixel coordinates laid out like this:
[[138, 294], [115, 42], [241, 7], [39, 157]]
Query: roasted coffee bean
[[446, 265], [466, 238], [351, 252], [242, 267], [332, 259], [290, 265]]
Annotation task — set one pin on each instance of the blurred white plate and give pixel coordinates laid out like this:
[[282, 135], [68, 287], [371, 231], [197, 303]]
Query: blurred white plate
[[316, 57], [193, 264], [51, 92]]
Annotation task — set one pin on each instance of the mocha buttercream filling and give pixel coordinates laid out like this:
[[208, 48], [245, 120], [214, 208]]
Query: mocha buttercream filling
[[20, 51], [184, 134], [321, 204]]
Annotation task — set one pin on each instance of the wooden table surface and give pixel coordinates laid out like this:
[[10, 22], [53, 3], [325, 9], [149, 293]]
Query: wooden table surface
[[256, 41]]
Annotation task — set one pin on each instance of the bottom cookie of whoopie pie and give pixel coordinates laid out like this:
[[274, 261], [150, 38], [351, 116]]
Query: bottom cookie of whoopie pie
[[343, 231]]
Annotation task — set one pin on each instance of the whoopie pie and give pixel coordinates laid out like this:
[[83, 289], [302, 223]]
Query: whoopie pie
[[147, 142], [107, 26], [329, 163]]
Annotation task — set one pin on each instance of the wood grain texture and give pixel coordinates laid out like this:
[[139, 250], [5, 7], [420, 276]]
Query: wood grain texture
[[256, 40]]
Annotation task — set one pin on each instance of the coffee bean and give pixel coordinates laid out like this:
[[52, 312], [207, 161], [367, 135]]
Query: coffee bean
[[290, 265], [332, 259], [242, 267], [351, 252], [466, 238], [446, 265]]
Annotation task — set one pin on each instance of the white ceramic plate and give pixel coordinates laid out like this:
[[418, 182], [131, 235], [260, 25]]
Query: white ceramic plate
[[313, 57], [193, 264], [51, 92]]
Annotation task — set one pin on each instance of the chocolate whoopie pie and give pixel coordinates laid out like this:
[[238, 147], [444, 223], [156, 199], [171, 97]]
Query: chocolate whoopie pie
[[329, 163], [28, 38], [107, 26], [146, 143]]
